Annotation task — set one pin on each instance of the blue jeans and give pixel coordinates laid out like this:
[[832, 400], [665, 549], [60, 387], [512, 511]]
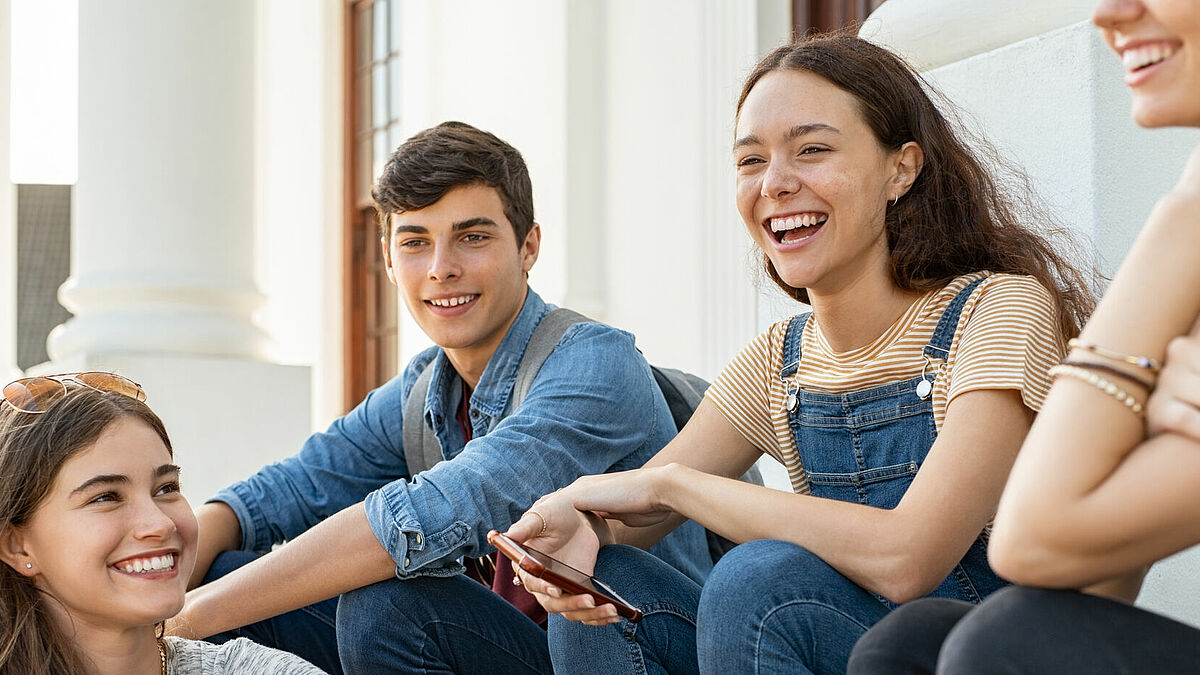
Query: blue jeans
[[437, 625], [419, 625], [768, 607], [307, 632]]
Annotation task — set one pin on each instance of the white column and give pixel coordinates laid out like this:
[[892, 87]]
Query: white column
[[1046, 91], [162, 263], [8, 215], [163, 238]]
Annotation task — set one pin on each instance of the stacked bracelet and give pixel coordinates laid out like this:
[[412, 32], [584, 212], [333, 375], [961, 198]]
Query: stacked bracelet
[[1143, 362], [1103, 368], [1135, 406]]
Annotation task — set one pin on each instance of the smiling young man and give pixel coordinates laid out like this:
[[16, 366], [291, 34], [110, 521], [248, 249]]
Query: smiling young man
[[407, 554]]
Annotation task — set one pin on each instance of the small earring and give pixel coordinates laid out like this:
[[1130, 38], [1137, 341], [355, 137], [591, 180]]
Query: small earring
[[895, 199], [28, 566]]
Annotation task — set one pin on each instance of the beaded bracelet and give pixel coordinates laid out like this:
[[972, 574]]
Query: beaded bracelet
[[1148, 385], [1135, 406], [1143, 362]]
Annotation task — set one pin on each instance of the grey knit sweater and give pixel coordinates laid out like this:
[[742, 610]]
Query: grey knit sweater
[[192, 657]]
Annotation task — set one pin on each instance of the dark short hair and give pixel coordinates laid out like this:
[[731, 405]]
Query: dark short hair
[[434, 161]]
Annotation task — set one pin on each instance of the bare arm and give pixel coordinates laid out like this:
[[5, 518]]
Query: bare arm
[[901, 553], [1090, 499], [299, 573], [219, 532]]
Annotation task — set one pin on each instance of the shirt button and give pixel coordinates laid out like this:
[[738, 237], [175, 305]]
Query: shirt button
[[418, 539], [407, 562]]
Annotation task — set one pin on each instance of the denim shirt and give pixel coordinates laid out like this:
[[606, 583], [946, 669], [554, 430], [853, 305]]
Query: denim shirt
[[593, 408]]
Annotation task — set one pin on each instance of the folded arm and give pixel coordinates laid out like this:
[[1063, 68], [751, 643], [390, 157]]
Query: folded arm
[[1091, 498]]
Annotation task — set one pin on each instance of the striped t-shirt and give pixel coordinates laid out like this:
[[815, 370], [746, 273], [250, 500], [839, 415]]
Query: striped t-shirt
[[1006, 338]]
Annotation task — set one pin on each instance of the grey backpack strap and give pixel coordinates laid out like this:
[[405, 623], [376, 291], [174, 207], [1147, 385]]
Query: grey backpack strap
[[421, 447], [543, 341]]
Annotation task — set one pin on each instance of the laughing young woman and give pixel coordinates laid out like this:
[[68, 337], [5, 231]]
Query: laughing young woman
[[897, 406], [97, 540], [1099, 493]]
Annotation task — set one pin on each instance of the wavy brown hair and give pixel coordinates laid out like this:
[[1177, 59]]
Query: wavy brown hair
[[957, 217], [32, 450]]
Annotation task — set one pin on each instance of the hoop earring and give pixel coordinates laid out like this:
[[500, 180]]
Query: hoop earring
[[895, 199]]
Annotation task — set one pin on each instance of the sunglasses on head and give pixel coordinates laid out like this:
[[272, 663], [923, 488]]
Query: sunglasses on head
[[36, 394]]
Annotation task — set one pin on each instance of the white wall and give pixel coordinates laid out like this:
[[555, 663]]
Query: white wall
[[299, 200], [8, 217]]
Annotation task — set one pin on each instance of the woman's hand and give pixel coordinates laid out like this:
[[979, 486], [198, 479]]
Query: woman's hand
[[555, 527], [1175, 405], [570, 525]]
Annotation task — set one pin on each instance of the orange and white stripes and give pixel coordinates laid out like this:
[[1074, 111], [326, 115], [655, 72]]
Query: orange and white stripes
[[1006, 338]]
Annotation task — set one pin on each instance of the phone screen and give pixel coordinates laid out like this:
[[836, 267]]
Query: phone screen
[[561, 574]]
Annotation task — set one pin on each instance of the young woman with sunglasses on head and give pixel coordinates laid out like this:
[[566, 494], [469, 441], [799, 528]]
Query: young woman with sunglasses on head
[[1099, 493], [97, 539], [897, 405]]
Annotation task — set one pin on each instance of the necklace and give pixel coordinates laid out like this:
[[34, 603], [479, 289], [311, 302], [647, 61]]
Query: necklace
[[162, 655]]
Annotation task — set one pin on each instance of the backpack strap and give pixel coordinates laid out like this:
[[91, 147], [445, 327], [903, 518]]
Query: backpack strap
[[541, 344], [421, 447], [683, 392]]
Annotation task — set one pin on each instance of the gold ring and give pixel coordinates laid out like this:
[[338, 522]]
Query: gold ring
[[544, 523]]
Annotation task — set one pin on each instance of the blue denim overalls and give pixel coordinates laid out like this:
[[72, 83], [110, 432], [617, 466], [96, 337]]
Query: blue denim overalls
[[865, 446]]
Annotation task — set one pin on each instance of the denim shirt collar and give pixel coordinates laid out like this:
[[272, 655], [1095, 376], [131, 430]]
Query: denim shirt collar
[[491, 395]]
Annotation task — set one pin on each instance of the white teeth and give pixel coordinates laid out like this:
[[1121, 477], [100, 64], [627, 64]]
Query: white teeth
[[792, 222], [452, 302], [154, 564], [1140, 57]]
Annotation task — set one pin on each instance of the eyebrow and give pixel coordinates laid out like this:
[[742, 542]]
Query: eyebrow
[[112, 478], [792, 134], [479, 221]]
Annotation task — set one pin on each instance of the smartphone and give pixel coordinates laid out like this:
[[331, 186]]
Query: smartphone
[[562, 575]]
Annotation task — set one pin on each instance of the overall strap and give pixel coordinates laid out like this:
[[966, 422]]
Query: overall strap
[[791, 344], [543, 341], [943, 336], [421, 447]]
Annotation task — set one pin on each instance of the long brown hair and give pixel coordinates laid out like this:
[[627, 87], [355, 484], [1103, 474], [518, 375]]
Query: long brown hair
[[32, 450], [956, 218]]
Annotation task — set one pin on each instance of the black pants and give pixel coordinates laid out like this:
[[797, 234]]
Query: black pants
[[1027, 631]]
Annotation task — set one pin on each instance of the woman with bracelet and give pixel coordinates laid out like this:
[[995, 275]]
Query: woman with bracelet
[[97, 540], [897, 405], [1099, 493]]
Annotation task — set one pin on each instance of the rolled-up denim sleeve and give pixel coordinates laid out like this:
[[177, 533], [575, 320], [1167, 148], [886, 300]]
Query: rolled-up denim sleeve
[[592, 408], [334, 469]]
